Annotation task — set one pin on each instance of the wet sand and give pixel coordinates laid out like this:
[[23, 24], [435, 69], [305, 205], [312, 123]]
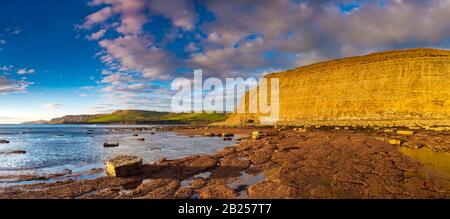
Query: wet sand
[[287, 163]]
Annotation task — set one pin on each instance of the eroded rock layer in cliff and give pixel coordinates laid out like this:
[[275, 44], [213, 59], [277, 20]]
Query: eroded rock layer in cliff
[[407, 87]]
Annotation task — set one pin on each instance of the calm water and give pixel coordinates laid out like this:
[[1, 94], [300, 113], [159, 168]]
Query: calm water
[[437, 161], [54, 148]]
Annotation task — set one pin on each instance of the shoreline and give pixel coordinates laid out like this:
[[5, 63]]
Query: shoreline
[[287, 163]]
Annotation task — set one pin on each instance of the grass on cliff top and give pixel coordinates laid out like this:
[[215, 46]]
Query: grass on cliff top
[[132, 116], [213, 117]]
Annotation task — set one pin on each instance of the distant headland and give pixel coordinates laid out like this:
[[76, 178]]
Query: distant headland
[[137, 117]]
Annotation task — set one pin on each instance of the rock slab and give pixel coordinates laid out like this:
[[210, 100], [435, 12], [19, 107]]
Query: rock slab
[[124, 165]]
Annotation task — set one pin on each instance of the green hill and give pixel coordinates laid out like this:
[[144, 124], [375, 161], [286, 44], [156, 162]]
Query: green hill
[[141, 117], [128, 116]]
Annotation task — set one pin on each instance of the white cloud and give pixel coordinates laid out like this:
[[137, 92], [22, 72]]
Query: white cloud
[[192, 47], [52, 106], [372, 26], [249, 55], [97, 35], [181, 13], [23, 71], [246, 38], [9, 31], [138, 54], [98, 17], [12, 86], [310, 57], [13, 30], [88, 87], [6, 68]]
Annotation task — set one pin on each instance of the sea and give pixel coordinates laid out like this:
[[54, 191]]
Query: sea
[[77, 149]]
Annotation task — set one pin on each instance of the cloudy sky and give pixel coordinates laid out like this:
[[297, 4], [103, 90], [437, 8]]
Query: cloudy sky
[[76, 57]]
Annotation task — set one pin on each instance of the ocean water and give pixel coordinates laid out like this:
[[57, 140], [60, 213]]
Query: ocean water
[[56, 148]]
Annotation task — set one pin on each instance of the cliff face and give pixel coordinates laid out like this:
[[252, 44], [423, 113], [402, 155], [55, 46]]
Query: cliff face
[[408, 87]]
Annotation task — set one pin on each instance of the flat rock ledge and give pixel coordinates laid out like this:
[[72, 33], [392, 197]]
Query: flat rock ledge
[[282, 164]]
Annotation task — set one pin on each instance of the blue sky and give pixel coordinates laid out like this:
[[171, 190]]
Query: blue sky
[[95, 56], [40, 35]]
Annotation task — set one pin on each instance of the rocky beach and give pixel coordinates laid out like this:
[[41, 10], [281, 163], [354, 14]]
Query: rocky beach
[[279, 162]]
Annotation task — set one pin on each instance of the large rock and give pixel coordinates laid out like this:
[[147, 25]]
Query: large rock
[[405, 132], [257, 135], [14, 152], [124, 165], [227, 135], [395, 141], [110, 145]]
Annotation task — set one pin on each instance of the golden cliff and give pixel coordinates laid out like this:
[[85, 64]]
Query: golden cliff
[[403, 88]]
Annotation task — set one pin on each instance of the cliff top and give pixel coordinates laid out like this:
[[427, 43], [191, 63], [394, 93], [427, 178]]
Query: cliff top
[[364, 59]]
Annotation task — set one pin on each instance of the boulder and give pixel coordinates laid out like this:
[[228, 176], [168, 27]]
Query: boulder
[[227, 135], [302, 130], [395, 142], [4, 142], [405, 132], [124, 165], [209, 134], [257, 135], [110, 145], [16, 152]]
